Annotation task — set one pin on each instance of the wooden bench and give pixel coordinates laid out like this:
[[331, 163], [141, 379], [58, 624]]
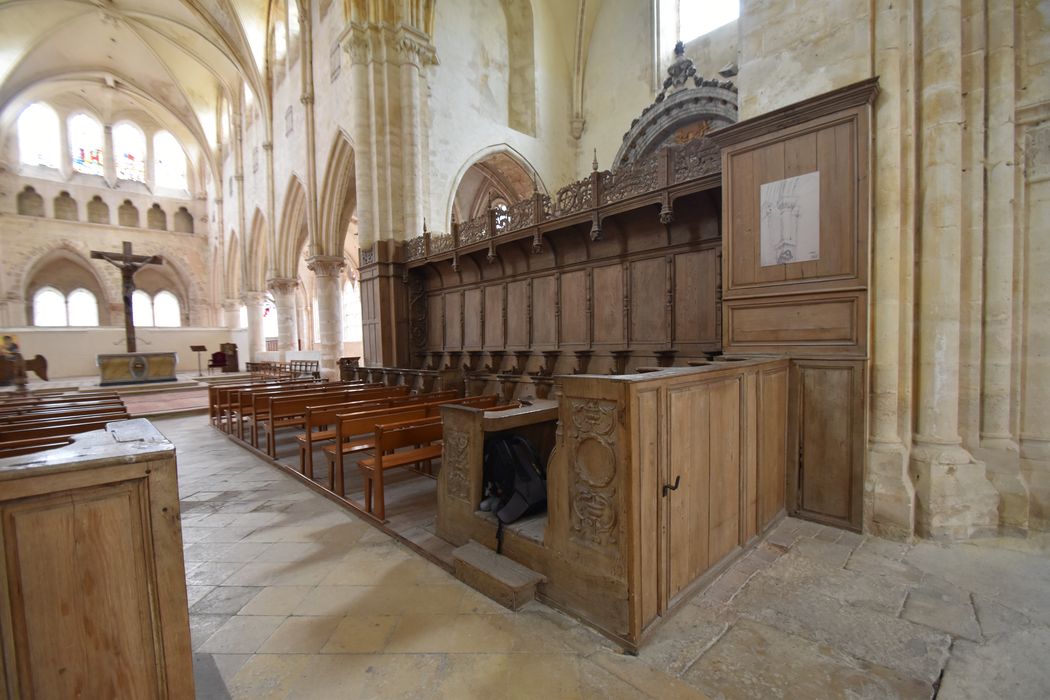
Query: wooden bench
[[316, 421], [226, 398], [236, 400], [398, 444], [48, 419], [361, 425], [16, 448], [260, 408], [59, 412], [58, 429]]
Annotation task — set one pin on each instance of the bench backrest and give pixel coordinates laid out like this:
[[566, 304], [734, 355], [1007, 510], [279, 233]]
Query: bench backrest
[[262, 401], [58, 410], [283, 406], [62, 416], [56, 430], [390, 437]]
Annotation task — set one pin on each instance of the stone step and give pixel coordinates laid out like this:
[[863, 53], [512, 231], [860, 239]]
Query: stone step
[[504, 580]]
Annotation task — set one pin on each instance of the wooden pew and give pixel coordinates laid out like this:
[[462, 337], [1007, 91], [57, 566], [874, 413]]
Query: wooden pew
[[317, 419], [223, 395], [15, 405], [362, 425], [58, 429], [16, 448], [402, 444], [58, 412], [48, 419], [232, 399], [259, 409]]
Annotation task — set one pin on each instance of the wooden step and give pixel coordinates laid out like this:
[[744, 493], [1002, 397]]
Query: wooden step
[[504, 580]]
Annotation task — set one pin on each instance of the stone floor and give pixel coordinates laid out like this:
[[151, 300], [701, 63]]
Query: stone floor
[[292, 597]]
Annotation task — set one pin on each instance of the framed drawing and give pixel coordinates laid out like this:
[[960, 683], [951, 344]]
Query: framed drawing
[[791, 220]]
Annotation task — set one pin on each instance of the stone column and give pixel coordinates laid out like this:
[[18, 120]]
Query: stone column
[[954, 497], [284, 299], [256, 342], [889, 497], [328, 288], [109, 158], [231, 311]]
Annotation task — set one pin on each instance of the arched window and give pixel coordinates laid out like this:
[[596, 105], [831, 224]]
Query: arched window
[[166, 311], [38, 136], [49, 307], [142, 308], [82, 307], [351, 313], [86, 143], [129, 149], [169, 162], [685, 20]]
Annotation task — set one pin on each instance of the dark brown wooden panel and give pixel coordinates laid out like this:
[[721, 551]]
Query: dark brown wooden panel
[[575, 323], [607, 285], [473, 311], [696, 289], [453, 320], [494, 317], [650, 324], [518, 315], [435, 322], [544, 312]]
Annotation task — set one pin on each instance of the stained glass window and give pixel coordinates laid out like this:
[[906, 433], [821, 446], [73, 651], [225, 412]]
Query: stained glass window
[[169, 162], [38, 137], [86, 142], [129, 149]]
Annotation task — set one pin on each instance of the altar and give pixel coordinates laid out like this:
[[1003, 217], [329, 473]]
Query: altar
[[136, 367]]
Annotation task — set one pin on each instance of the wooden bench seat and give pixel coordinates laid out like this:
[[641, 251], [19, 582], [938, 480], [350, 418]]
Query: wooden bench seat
[[294, 404], [230, 401], [398, 444]]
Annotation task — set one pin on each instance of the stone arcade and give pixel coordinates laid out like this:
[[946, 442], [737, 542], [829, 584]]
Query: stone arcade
[[764, 296]]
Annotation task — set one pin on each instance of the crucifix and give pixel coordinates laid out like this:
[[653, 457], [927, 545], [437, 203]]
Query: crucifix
[[129, 264]]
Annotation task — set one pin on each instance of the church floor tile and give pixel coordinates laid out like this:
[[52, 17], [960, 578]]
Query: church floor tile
[[293, 597]]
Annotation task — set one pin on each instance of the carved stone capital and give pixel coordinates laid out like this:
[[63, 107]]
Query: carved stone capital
[[253, 298], [326, 265], [282, 285], [357, 45], [415, 49]]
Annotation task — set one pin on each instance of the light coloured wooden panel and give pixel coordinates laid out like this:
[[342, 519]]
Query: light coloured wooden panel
[[793, 321], [518, 314], [607, 284], [724, 486], [688, 431], [435, 322], [494, 319], [696, 294], [544, 316], [649, 422], [574, 318], [472, 314], [772, 444], [827, 428], [82, 555], [649, 311]]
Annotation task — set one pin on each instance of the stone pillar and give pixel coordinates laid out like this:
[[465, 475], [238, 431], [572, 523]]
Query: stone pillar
[[284, 299], [109, 158], [1035, 397], [889, 497], [256, 342], [329, 289], [954, 497], [231, 312]]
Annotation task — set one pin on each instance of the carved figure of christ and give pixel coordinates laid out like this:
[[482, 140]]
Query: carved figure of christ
[[129, 264]]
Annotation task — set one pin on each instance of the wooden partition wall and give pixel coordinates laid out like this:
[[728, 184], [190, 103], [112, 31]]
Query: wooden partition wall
[[814, 311]]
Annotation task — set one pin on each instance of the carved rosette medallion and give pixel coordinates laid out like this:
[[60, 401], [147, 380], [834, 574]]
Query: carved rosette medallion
[[454, 461], [592, 493]]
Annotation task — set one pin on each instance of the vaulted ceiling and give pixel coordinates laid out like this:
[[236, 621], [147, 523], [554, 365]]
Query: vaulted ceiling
[[173, 59]]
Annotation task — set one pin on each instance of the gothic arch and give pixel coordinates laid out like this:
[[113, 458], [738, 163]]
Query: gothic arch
[[256, 255], [65, 268], [338, 197], [292, 233], [498, 167], [232, 277]]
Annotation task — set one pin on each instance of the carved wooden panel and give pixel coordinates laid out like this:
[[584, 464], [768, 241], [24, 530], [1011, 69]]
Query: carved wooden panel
[[518, 311], [545, 311], [494, 317], [370, 322], [436, 322], [453, 320], [829, 321], [574, 309], [607, 286], [696, 283], [650, 301], [455, 463], [828, 407], [594, 501], [473, 313]]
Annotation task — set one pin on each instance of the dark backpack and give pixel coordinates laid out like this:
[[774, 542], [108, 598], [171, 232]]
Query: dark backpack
[[513, 472]]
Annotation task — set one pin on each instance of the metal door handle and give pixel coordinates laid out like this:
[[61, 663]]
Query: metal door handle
[[668, 487]]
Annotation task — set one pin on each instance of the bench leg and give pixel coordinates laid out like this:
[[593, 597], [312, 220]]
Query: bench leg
[[368, 490], [340, 488], [380, 504]]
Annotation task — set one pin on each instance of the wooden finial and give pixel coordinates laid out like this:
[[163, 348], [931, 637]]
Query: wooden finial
[[594, 163]]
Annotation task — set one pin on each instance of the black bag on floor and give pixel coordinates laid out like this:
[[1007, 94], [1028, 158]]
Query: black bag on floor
[[513, 473]]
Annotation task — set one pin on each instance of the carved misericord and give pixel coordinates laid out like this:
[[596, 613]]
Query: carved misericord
[[455, 461], [592, 493]]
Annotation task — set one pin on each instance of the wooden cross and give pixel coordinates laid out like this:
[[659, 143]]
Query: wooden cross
[[129, 264]]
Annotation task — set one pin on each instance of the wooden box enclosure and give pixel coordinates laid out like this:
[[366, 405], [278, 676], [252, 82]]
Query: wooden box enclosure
[[93, 586], [617, 548]]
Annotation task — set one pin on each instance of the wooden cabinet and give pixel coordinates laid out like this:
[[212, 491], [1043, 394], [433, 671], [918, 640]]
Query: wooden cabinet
[[93, 599]]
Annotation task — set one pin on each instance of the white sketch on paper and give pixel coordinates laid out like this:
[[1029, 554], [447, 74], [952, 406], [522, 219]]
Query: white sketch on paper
[[791, 220]]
